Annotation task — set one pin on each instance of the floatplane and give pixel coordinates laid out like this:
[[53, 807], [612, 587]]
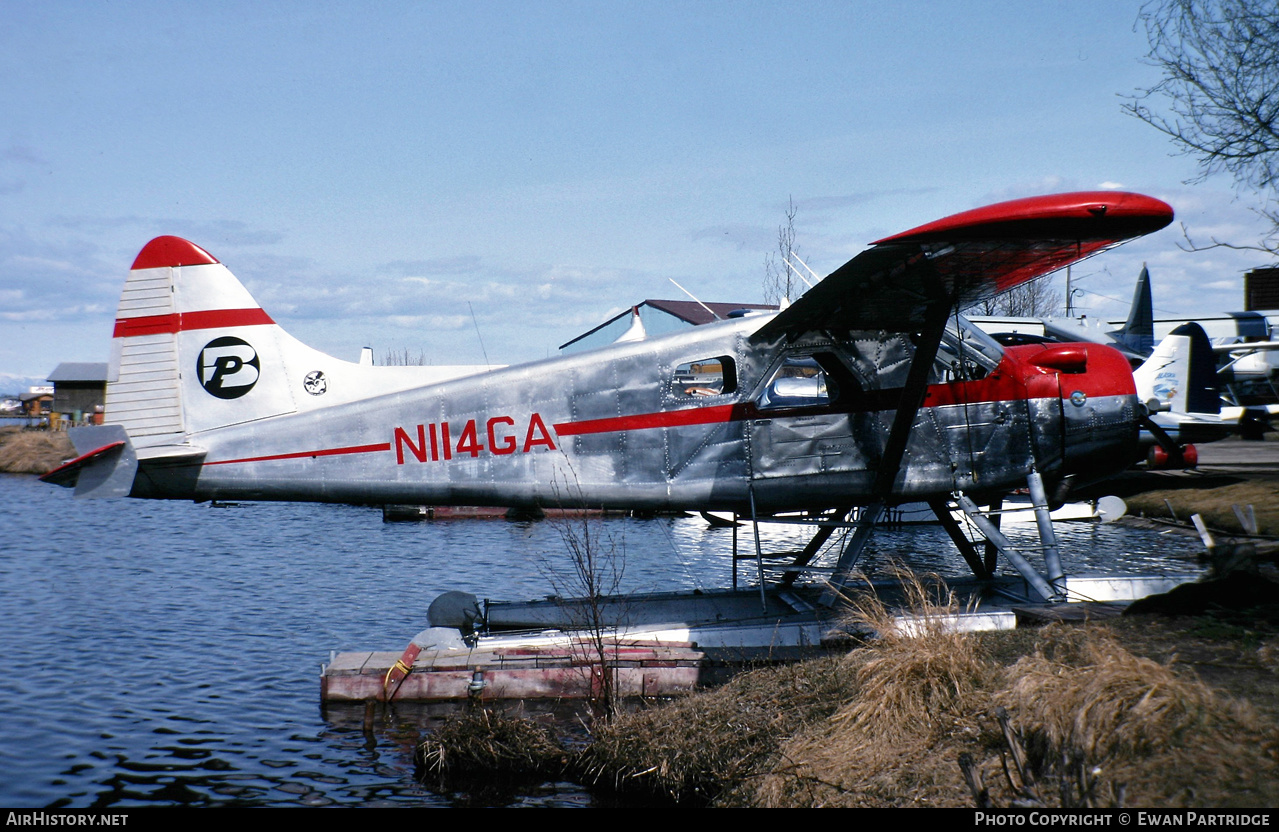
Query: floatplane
[[867, 392]]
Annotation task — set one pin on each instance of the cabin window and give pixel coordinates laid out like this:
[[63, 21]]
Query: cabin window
[[799, 382], [815, 380], [707, 377]]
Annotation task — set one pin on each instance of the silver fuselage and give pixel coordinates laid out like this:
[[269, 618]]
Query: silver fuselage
[[619, 428]]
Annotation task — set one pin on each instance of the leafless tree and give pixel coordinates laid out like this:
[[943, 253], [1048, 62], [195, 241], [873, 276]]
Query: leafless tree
[[593, 573], [1218, 99], [779, 280], [1035, 299], [404, 358]]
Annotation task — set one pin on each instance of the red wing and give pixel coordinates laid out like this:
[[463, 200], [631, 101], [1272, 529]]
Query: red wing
[[967, 258]]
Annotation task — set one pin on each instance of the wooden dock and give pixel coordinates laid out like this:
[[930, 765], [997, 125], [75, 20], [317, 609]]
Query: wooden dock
[[555, 671]]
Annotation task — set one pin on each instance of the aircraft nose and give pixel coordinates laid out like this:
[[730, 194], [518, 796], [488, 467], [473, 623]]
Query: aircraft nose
[[1100, 412]]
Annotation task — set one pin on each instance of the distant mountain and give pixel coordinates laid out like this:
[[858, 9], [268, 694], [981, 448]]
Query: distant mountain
[[12, 384]]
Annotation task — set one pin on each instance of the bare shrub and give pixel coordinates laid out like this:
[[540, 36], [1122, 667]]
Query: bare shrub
[[587, 584], [404, 357], [489, 743]]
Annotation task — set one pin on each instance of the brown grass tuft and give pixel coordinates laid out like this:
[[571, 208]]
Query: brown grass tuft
[[1268, 655], [699, 748], [918, 670], [33, 451], [915, 691], [1087, 693]]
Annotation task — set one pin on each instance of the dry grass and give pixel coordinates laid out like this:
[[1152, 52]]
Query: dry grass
[[1152, 727], [1214, 502], [487, 744], [1106, 702], [886, 725], [915, 689], [700, 747], [914, 674], [33, 451]]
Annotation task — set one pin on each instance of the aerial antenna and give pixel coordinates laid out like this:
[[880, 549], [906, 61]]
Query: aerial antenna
[[815, 275], [797, 274], [694, 297], [479, 336]]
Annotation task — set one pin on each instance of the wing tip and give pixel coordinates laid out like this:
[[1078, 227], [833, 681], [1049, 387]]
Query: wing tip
[[1120, 214], [172, 252]]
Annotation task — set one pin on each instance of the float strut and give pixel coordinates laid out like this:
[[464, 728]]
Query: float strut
[[759, 555], [1047, 537], [1041, 586], [866, 520]]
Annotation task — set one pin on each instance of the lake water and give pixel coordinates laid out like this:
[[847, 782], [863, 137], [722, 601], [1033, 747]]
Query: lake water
[[168, 653]]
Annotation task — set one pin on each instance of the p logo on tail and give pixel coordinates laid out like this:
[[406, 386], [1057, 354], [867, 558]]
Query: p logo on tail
[[228, 367]]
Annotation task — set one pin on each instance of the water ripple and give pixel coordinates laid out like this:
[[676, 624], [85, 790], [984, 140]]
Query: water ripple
[[168, 653]]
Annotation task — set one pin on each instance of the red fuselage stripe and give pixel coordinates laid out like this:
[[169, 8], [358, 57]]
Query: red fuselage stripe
[[676, 418], [184, 321], [974, 392], [354, 449], [1108, 376], [668, 419]]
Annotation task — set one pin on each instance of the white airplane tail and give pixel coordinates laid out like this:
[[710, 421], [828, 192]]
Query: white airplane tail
[[193, 351], [1181, 374]]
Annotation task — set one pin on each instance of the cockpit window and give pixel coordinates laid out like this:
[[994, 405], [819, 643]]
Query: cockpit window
[[707, 377], [965, 353]]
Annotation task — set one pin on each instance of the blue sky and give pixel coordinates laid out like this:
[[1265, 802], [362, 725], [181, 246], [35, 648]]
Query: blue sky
[[370, 169]]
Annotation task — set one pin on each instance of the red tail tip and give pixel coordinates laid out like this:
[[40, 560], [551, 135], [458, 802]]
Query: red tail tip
[[172, 252]]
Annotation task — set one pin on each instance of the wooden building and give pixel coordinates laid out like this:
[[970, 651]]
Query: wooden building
[[80, 390]]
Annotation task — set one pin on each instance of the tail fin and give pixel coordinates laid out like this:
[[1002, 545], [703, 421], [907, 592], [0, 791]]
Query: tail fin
[[1138, 332], [1181, 374], [193, 351], [187, 330]]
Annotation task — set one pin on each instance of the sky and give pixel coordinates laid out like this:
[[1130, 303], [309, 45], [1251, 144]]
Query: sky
[[481, 182]]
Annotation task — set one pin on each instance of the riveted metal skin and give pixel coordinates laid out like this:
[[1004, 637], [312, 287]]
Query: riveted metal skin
[[579, 430]]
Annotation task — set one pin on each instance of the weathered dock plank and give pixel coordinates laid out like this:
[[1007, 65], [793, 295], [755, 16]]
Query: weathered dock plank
[[552, 672]]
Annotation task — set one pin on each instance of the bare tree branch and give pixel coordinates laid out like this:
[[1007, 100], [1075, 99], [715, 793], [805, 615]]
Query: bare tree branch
[[1219, 97], [778, 277], [1035, 299]]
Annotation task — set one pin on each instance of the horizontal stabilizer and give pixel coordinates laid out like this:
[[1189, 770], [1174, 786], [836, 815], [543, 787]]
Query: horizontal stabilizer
[[68, 473], [105, 467]]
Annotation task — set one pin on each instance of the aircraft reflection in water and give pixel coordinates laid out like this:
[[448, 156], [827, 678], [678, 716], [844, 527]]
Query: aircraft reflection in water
[[868, 391]]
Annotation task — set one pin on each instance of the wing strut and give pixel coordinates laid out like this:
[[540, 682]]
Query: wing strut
[[912, 397], [927, 343]]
